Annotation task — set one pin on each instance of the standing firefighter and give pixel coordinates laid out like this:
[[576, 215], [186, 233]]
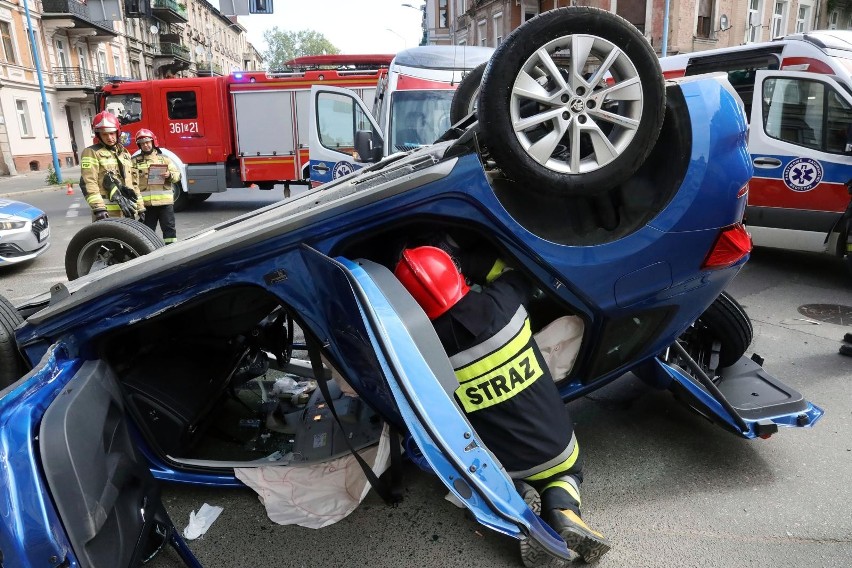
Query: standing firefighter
[[106, 179], [155, 188], [505, 387]]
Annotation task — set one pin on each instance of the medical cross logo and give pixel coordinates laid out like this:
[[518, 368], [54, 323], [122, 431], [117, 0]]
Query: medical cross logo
[[802, 174], [341, 169]]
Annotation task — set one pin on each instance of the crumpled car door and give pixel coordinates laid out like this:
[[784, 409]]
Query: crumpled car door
[[77, 488], [370, 303]]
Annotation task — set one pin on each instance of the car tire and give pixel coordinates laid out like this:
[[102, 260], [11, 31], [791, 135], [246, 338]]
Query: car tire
[[726, 320], [11, 367], [466, 95], [108, 242], [530, 140], [181, 198]]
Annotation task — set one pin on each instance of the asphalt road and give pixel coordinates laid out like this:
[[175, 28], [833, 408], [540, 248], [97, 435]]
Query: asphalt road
[[667, 487]]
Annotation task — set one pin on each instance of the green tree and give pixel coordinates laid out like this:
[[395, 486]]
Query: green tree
[[282, 46]]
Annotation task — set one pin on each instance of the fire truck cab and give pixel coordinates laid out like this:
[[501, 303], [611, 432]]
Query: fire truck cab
[[244, 129], [797, 93]]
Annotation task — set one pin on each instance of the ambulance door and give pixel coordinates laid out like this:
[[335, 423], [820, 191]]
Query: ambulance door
[[344, 135], [800, 141], [184, 130]]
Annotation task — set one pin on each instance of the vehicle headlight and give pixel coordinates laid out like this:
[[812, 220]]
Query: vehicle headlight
[[8, 225]]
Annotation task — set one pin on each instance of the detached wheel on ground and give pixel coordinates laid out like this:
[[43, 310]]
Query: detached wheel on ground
[[466, 95], [572, 102], [108, 242], [725, 320], [11, 366]]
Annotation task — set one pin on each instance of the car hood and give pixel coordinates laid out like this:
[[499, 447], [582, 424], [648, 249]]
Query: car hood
[[9, 208]]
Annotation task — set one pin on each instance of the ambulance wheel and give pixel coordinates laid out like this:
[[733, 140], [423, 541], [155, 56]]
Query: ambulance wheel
[[181, 198], [11, 366], [725, 320], [464, 99], [572, 102], [108, 242]]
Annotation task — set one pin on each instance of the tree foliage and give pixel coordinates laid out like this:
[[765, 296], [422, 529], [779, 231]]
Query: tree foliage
[[283, 45]]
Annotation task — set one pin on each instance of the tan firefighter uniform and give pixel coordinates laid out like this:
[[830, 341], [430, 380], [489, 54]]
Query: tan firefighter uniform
[[154, 194], [95, 162]]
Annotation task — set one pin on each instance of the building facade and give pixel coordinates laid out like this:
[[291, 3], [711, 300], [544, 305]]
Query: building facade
[[82, 45], [693, 25]]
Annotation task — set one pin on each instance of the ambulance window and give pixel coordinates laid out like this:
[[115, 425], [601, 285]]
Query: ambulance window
[[793, 111], [127, 107], [339, 118], [181, 105], [838, 124]]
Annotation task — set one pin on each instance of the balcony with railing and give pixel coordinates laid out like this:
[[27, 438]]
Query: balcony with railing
[[78, 12], [208, 69], [170, 11], [176, 50], [77, 77]]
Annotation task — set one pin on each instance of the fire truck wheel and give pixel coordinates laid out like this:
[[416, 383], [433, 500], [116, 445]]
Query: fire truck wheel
[[572, 102], [725, 320], [181, 198], [11, 366], [464, 99], [199, 197], [108, 242]]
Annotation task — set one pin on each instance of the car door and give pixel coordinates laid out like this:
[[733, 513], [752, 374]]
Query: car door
[[343, 135], [76, 478], [800, 141]]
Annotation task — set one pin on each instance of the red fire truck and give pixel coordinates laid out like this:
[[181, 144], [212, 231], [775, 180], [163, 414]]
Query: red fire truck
[[244, 129]]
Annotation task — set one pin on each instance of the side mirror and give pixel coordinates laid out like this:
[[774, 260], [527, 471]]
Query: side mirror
[[365, 148]]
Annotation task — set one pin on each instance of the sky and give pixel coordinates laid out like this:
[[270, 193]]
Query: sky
[[353, 26]]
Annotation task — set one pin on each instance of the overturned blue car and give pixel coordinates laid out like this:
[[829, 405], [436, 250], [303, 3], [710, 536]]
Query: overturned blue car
[[619, 195]]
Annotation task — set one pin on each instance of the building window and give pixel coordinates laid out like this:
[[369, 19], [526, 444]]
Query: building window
[[530, 8], [83, 59], [803, 18], [8, 49], [704, 25], [483, 33], [443, 14], [102, 66], [832, 20], [32, 46], [116, 63], [23, 118], [779, 15], [498, 29], [755, 9], [135, 71]]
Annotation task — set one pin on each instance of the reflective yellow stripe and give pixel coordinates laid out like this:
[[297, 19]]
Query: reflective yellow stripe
[[501, 384], [93, 198], [498, 358], [169, 241], [496, 270], [86, 162], [108, 161], [572, 491], [561, 467], [112, 207]]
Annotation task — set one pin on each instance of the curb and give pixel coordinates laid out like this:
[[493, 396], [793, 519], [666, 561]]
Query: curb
[[34, 190]]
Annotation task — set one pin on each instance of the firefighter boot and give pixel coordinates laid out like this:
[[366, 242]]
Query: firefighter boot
[[589, 544], [530, 496]]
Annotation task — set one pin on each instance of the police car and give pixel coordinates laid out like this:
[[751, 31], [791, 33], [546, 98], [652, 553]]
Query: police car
[[24, 232]]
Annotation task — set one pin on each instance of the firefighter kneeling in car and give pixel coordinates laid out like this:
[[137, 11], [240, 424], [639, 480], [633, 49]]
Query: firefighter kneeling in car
[[106, 180], [506, 389], [157, 195]]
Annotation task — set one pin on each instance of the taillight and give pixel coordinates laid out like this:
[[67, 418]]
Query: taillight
[[732, 244]]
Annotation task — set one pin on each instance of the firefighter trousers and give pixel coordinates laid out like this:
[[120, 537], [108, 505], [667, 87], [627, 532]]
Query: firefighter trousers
[[165, 215], [557, 481]]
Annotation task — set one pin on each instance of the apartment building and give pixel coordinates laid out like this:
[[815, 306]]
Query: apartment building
[[693, 25], [82, 45]]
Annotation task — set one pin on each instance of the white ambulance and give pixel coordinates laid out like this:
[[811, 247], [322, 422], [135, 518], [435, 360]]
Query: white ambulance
[[797, 92]]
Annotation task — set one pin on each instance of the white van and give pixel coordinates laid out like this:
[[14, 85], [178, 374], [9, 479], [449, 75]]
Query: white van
[[411, 109], [798, 94]]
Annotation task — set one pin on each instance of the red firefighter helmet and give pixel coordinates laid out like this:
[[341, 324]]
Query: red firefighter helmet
[[144, 135], [105, 122], [431, 277]]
